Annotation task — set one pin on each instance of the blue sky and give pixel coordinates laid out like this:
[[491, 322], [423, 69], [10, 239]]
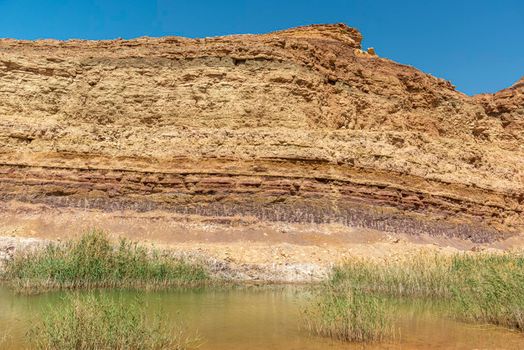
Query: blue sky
[[476, 44]]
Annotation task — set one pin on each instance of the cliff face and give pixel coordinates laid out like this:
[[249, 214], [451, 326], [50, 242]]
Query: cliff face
[[299, 125]]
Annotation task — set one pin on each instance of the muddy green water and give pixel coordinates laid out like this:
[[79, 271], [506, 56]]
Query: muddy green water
[[264, 318]]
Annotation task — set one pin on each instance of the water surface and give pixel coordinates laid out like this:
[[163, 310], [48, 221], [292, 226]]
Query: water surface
[[264, 318]]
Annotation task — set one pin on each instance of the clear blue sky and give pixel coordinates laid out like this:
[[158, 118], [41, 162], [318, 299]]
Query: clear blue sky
[[476, 44]]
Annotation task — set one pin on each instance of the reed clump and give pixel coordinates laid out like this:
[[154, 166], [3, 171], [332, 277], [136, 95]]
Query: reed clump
[[481, 287], [96, 322], [92, 261], [421, 275], [490, 289], [348, 315]]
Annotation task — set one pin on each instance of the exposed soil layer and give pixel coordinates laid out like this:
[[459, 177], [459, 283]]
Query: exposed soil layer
[[299, 126], [240, 248]]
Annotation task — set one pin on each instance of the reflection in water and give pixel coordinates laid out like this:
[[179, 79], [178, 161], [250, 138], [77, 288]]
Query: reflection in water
[[265, 318]]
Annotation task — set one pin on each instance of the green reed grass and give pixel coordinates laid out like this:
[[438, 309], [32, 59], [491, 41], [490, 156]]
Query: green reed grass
[[96, 322], [92, 261], [485, 288], [348, 315], [421, 275], [490, 289]]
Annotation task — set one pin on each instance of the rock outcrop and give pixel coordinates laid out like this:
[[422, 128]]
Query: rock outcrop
[[300, 125]]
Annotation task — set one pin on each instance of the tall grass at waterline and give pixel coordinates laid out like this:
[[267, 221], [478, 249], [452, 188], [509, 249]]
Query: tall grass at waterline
[[95, 322], [350, 315], [92, 261], [421, 275], [485, 288], [490, 290]]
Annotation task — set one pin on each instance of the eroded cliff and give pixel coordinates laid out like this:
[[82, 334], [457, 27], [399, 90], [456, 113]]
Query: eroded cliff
[[297, 126]]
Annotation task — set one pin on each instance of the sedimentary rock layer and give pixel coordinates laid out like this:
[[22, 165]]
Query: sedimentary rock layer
[[299, 125]]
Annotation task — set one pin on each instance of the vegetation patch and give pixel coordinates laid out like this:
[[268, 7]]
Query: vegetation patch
[[96, 322], [93, 262], [348, 315], [421, 275], [353, 304], [490, 289]]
